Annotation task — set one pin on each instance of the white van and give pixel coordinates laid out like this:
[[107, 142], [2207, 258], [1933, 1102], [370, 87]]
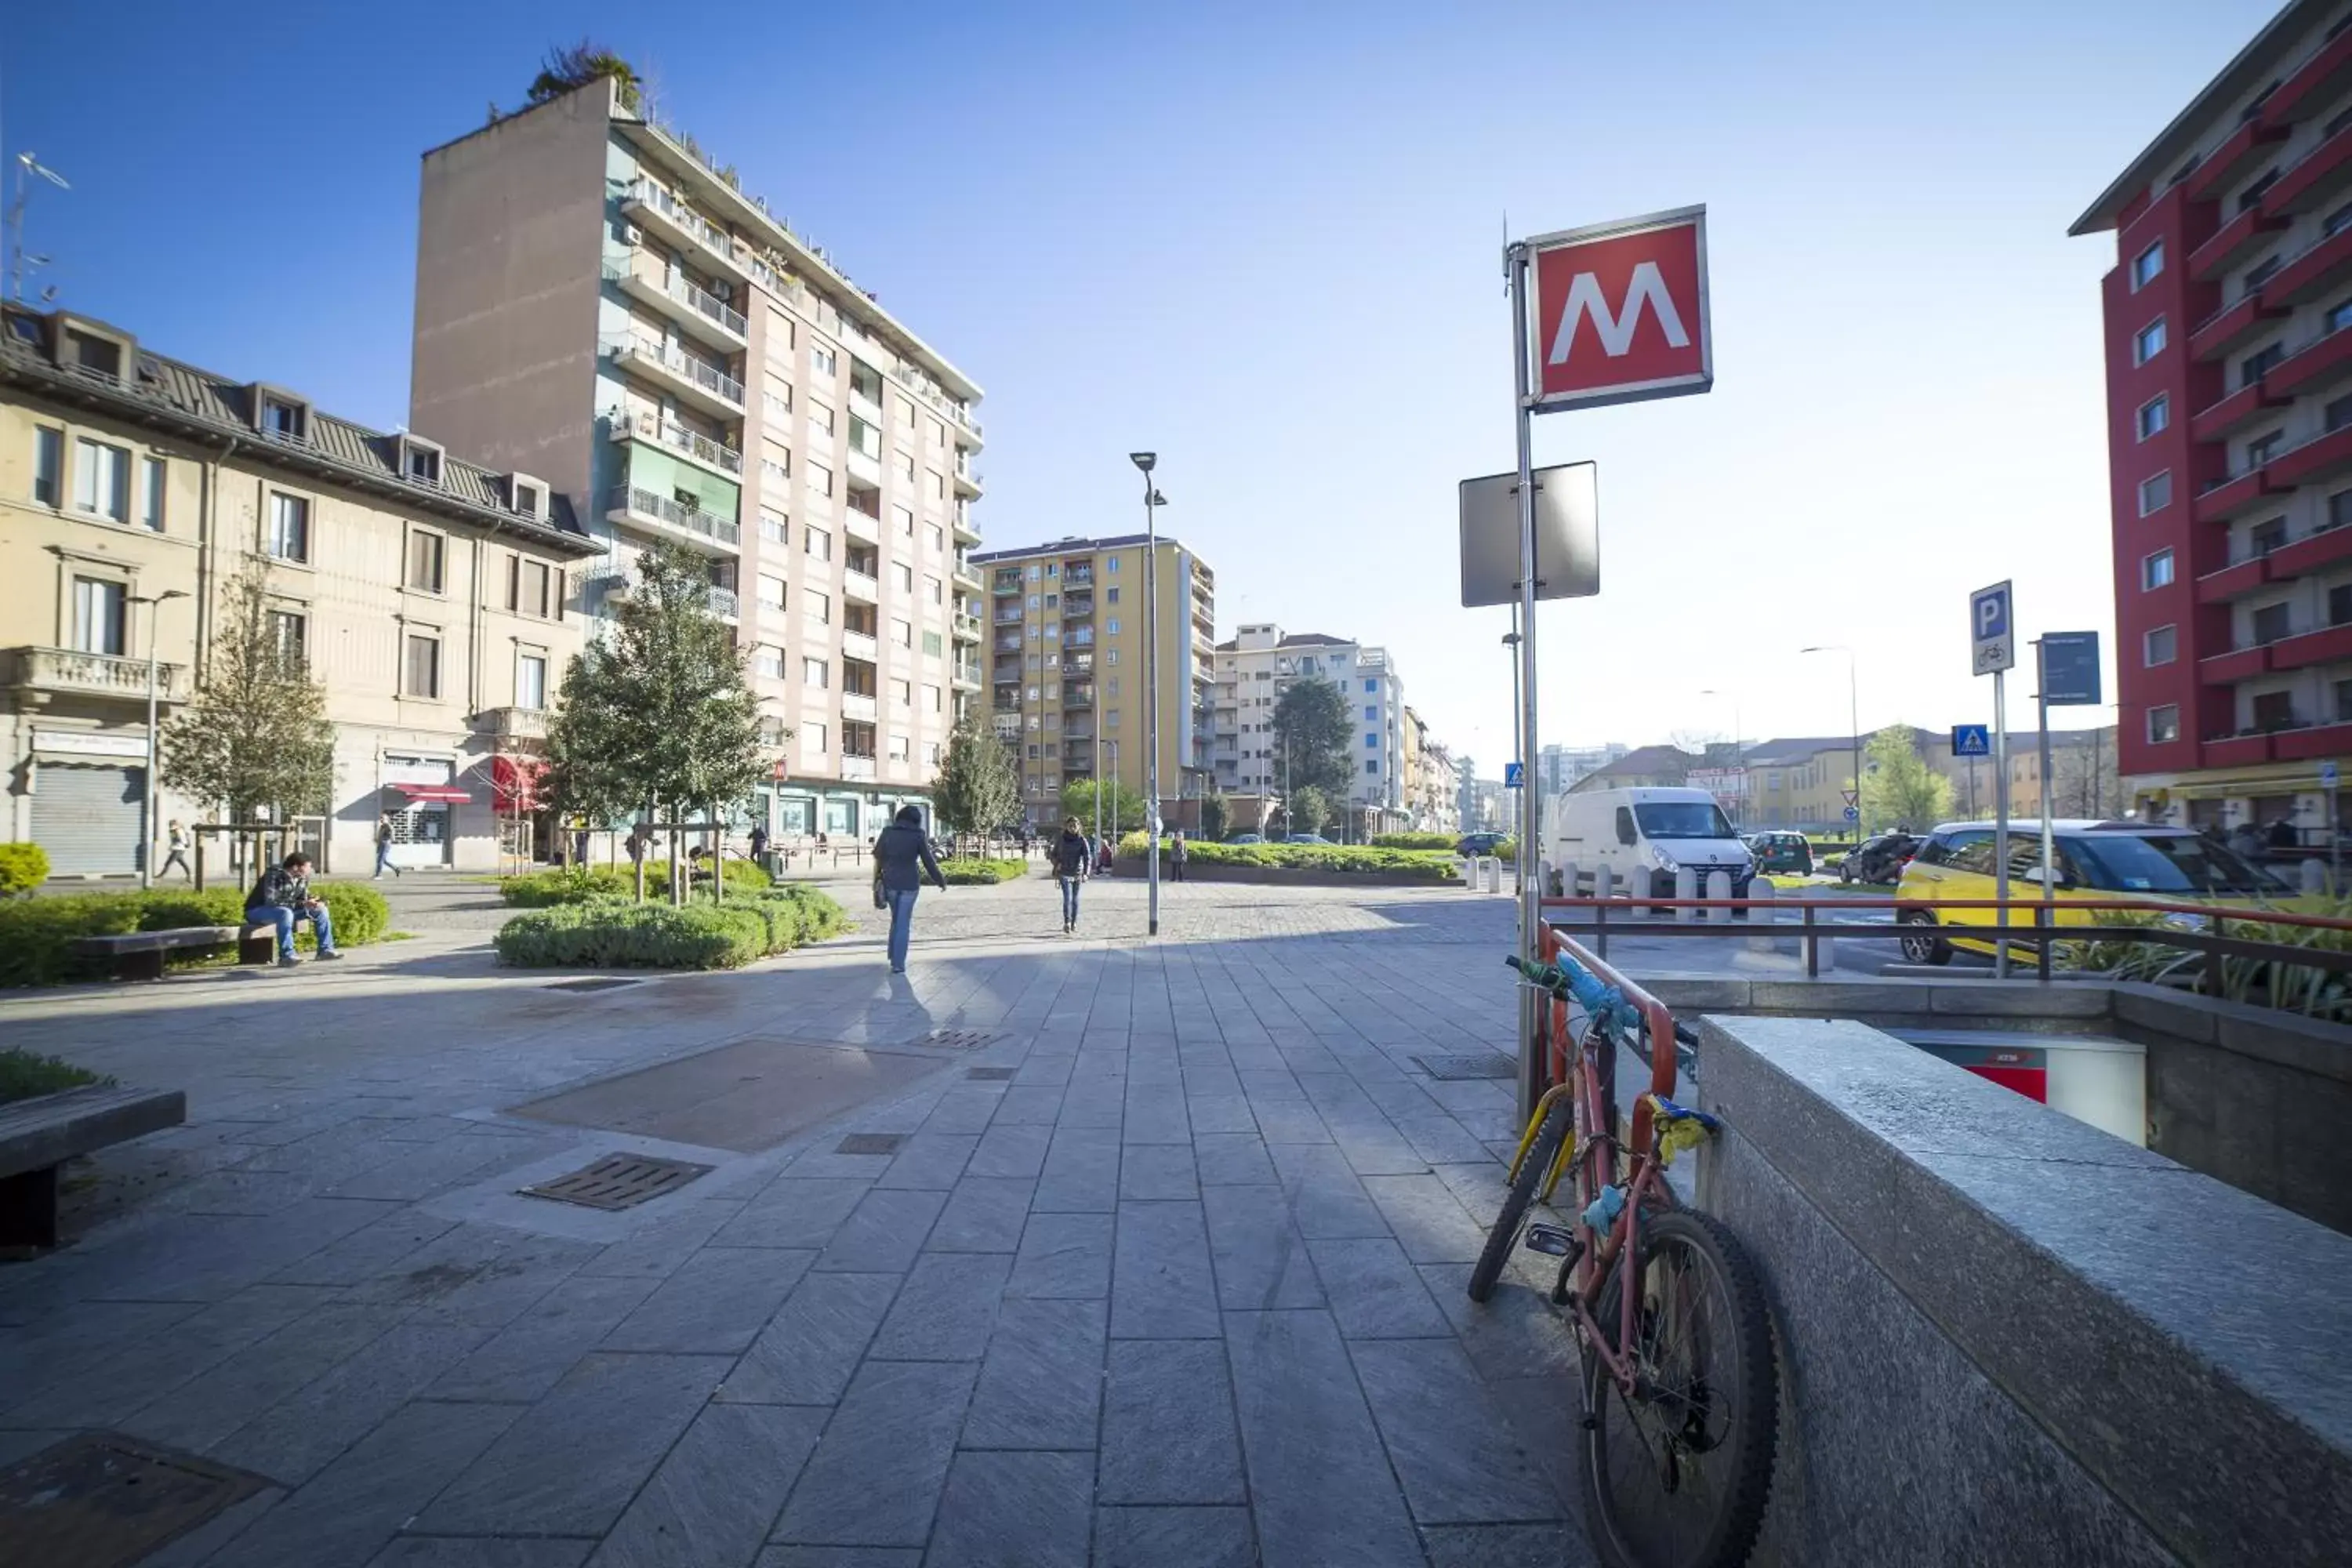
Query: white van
[[1644, 836]]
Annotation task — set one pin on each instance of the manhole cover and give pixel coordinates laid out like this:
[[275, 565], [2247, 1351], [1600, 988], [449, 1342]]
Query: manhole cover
[[593, 982], [870, 1143], [1477, 1064], [958, 1040], [619, 1181], [101, 1500], [992, 1074]]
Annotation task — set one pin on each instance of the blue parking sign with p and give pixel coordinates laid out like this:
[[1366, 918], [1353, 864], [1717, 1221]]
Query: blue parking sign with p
[[1989, 617]]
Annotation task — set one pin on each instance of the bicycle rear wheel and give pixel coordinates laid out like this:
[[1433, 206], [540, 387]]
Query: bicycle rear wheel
[[1675, 1476], [1505, 1236]]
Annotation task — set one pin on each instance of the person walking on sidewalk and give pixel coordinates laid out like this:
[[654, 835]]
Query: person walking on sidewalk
[[1177, 853], [384, 847], [902, 858], [283, 896], [1073, 859], [176, 840]]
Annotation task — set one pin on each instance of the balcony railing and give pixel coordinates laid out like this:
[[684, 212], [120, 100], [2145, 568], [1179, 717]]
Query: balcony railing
[[1006, 583], [860, 585], [721, 601], [857, 764], [859, 705], [709, 234], [650, 425], [684, 365], [966, 672], [859, 644], [967, 626], [513, 723], [648, 271], [646, 503], [101, 674]]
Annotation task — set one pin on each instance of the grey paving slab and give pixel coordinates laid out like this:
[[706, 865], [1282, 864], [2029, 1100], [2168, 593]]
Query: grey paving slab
[[1422, 1211], [984, 1213], [1169, 1434], [1064, 1255], [930, 1158], [946, 1311], [716, 1301], [883, 1233], [1018, 1150], [1157, 1171], [1014, 1510], [1319, 1483], [99, 1392], [209, 1541], [201, 1411], [352, 1507], [527, 1358], [480, 1551], [812, 1346], [1439, 1139], [1174, 1538], [1156, 1113], [876, 1476], [1162, 1287], [374, 1248], [712, 1502], [1232, 1160], [791, 1212], [1453, 1451], [1260, 1259], [1081, 1174], [965, 1108], [1326, 1197], [1041, 1384], [1374, 1292], [1508, 1546], [841, 1557], [300, 1433], [573, 1462]]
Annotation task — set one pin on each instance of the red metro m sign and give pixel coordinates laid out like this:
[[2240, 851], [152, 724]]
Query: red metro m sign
[[1620, 311]]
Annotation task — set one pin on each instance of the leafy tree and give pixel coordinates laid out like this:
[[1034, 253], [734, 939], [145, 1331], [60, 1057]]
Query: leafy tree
[[1898, 788], [1307, 810], [979, 788], [1122, 808], [1311, 720], [658, 712], [257, 733], [577, 65], [1216, 816]]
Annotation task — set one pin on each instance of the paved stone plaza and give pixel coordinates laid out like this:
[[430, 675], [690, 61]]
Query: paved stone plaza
[[1166, 1270]]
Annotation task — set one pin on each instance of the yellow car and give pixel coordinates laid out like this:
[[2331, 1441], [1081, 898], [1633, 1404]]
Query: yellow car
[[2096, 860]]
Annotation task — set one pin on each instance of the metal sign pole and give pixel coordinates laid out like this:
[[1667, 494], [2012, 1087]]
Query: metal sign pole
[[1531, 1055], [2042, 700], [2000, 818]]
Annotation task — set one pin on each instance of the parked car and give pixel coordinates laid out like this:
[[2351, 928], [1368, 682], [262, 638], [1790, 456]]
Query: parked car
[[1306, 839], [1879, 858], [2096, 860], [1245, 838], [1481, 843], [1788, 852]]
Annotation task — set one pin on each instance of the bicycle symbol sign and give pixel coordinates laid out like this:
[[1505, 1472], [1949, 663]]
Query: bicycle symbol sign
[[1989, 630]]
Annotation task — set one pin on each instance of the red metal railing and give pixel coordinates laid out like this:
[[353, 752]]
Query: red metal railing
[[1655, 1019]]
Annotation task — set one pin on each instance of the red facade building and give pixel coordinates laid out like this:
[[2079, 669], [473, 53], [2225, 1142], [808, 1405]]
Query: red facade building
[[2229, 436]]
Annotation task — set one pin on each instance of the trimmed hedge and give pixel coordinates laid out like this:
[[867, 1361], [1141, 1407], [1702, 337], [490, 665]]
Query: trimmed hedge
[[973, 872], [23, 867], [576, 884], [35, 933], [24, 1076], [1445, 841], [617, 934], [1433, 865]]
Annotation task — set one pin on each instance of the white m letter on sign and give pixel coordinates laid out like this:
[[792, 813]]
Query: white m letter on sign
[[1617, 331]]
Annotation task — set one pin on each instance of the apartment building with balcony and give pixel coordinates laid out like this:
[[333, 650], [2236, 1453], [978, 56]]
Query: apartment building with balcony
[[2230, 432], [1067, 662], [1431, 786], [433, 600], [1258, 664], [598, 301]]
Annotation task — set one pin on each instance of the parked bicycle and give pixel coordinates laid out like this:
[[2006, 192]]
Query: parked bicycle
[[1680, 1389]]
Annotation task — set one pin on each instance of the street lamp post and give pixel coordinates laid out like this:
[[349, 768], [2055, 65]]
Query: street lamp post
[[1153, 501], [154, 604], [1511, 642], [1853, 717]]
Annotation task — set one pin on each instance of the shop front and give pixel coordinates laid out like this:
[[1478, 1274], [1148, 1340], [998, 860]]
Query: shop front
[[417, 796]]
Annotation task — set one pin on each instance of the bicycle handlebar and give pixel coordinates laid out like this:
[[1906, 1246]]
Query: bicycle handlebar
[[1603, 1002]]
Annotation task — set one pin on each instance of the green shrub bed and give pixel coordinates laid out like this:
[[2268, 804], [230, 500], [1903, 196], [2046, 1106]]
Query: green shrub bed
[[1435, 866], [618, 934], [1445, 841], [35, 933], [24, 1075], [573, 885], [966, 871]]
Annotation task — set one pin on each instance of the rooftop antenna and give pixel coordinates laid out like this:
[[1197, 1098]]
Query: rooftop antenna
[[26, 167]]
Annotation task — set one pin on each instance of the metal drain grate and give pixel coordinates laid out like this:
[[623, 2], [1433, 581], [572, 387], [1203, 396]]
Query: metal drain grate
[[959, 1039], [992, 1075], [592, 982], [619, 1181], [1477, 1064], [870, 1143], [104, 1500]]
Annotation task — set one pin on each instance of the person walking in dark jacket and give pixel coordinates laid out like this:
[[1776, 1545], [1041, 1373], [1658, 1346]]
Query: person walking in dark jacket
[[1073, 859], [902, 858], [384, 847]]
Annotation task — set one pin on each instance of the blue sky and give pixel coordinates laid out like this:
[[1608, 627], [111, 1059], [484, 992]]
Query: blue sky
[[1264, 240]]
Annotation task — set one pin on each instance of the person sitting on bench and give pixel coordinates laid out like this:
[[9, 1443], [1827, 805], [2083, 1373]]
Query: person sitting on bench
[[283, 896]]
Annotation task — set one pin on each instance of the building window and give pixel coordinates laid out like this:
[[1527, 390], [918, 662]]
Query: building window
[[824, 361], [2262, 449], [531, 588], [2338, 221], [820, 416], [939, 485], [816, 673], [421, 669], [290, 633], [2251, 196], [2156, 571], [817, 606], [49, 465], [98, 608], [932, 646], [775, 465], [2158, 646], [931, 698], [530, 680], [1110, 595], [530, 501], [1372, 685], [768, 661], [2146, 266], [2270, 624], [102, 480], [939, 534], [427, 555], [777, 405], [812, 734], [151, 479], [2339, 604], [772, 592], [2148, 341], [772, 529], [2274, 710], [2258, 275], [2266, 537], [422, 463], [289, 527], [2340, 414], [283, 421], [2344, 702], [935, 590], [1113, 563], [903, 693], [2154, 416], [2156, 494], [902, 633], [1372, 742], [820, 478], [1111, 626], [1371, 766], [897, 748], [2256, 365], [816, 542]]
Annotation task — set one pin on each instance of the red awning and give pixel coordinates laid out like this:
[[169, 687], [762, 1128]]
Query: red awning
[[437, 794], [514, 782]]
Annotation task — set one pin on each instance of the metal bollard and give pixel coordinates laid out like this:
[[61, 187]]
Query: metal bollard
[[1718, 886], [2315, 878], [1760, 938], [1495, 875], [1604, 882], [1686, 887]]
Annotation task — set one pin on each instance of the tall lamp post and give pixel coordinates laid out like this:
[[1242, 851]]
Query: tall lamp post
[[155, 604], [1853, 717], [1511, 643], [1153, 501]]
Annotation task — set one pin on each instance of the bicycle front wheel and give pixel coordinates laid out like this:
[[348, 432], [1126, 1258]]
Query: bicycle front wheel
[[1500, 1240], [1675, 1475]]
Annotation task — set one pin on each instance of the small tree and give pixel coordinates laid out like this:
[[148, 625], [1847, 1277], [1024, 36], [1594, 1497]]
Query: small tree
[[978, 789], [577, 65], [257, 733], [1216, 816], [1308, 810], [1898, 788], [1310, 720], [1121, 806]]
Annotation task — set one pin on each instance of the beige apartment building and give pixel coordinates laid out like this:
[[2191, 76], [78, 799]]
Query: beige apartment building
[[1067, 648], [1258, 664], [430, 598], [1433, 785], [600, 303]]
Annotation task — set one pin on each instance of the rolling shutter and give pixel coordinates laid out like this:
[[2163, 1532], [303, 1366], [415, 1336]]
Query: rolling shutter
[[87, 816]]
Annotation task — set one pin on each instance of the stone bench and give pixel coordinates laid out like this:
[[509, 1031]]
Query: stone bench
[[39, 1134], [139, 954]]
